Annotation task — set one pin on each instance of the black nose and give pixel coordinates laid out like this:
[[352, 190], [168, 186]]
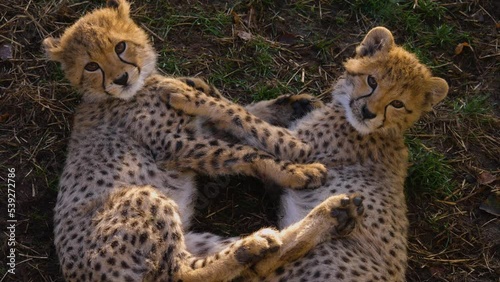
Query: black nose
[[122, 80], [366, 113]]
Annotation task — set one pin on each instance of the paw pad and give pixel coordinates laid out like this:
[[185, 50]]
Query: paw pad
[[349, 209]]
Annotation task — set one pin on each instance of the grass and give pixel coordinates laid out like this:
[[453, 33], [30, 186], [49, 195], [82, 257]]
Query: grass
[[422, 24], [402, 13], [295, 46], [473, 106], [443, 36], [265, 91], [261, 53], [323, 47], [171, 62], [429, 174], [213, 25]]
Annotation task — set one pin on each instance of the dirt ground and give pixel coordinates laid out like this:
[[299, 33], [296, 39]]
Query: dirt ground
[[258, 49]]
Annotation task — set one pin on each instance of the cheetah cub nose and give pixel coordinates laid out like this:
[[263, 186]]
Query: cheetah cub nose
[[366, 113], [122, 80]]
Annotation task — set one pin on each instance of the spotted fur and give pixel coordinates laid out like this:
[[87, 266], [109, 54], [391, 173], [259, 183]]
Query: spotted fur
[[127, 190], [359, 137]]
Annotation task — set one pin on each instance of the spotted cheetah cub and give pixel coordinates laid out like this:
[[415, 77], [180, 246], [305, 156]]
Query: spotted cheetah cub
[[359, 137], [127, 189]]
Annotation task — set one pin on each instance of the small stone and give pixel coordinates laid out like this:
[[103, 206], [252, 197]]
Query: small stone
[[5, 52]]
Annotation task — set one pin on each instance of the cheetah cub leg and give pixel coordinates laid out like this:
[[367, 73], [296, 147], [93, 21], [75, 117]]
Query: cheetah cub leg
[[136, 234], [281, 111], [285, 109], [233, 260], [240, 123], [216, 157], [335, 217], [200, 85], [202, 244]]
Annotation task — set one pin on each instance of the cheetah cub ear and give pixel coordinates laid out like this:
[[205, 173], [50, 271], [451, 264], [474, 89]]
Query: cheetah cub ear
[[52, 48], [378, 40], [436, 90], [122, 6]]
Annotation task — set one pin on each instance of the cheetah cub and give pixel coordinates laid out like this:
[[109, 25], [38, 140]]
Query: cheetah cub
[[122, 209], [359, 137]]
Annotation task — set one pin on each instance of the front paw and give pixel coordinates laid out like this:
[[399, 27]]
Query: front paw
[[258, 245], [344, 210], [300, 104], [305, 176], [201, 85], [185, 101]]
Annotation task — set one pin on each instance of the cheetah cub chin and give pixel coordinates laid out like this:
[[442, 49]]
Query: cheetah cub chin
[[359, 137], [127, 189]]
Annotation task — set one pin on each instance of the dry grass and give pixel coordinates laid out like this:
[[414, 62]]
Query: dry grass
[[257, 50]]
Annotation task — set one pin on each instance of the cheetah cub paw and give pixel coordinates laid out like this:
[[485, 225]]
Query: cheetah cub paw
[[187, 101], [301, 104], [262, 243], [305, 176], [344, 210]]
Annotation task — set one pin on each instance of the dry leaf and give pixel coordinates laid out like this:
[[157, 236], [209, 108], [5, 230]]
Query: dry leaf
[[246, 36], [4, 117], [236, 18], [498, 25], [492, 204], [486, 178], [460, 47]]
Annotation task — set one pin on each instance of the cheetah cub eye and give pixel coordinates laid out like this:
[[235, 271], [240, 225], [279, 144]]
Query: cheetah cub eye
[[120, 47], [372, 82], [92, 66], [397, 104]]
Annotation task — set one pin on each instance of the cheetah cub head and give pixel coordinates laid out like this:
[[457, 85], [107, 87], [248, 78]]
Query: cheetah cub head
[[104, 54], [385, 87]]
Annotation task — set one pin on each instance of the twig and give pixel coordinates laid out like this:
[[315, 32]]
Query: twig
[[488, 13], [489, 56], [343, 50], [152, 32]]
